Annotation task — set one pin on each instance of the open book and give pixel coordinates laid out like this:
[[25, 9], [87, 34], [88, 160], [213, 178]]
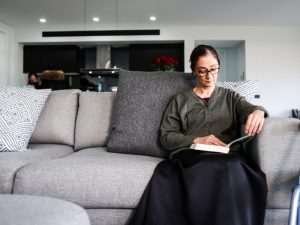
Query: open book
[[215, 148]]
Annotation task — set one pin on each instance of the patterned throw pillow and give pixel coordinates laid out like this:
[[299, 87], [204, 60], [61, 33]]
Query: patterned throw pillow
[[19, 112], [246, 88]]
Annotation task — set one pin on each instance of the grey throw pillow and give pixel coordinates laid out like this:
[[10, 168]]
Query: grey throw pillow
[[140, 103], [93, 119], [56, 124]]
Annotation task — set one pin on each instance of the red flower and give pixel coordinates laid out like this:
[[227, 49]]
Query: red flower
[[164, 63], [156, 60]]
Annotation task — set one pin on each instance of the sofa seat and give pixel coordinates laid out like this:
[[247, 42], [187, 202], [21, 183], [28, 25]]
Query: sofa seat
[[109, 216], [11, 162], [92, 178]]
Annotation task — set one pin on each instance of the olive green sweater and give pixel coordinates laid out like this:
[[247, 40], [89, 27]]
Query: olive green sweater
[[187, 116]]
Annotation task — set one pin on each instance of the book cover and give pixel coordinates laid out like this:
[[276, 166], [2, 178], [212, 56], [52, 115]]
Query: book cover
[[216, 148]]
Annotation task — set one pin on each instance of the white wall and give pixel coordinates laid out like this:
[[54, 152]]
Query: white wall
[[272, 56], [3, 77], [6, 55]]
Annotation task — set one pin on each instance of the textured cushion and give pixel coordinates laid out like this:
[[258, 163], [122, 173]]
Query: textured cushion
[[19, 111], [11, 162], [93, 119], [56, 124], [35, 210], [246, 88], [139, 106], [92, 178]]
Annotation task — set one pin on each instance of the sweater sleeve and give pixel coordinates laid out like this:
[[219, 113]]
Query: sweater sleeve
[[244, 108], [172, 134]]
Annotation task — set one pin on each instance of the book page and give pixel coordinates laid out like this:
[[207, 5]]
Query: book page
[[238, 140], [210, 148], [216, 148]]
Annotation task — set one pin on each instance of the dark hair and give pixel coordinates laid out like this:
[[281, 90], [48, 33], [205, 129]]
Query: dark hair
[[202, 50]]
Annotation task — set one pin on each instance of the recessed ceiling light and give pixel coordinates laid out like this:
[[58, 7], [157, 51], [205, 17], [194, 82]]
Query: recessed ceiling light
[[43, 20], [152, 18], [96, 19]]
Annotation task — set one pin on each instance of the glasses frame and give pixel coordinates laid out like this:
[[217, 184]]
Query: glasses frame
[[207, 72]]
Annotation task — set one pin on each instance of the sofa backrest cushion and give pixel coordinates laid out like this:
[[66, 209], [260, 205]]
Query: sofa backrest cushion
[[56, 124], [93, 119], [139, 106]]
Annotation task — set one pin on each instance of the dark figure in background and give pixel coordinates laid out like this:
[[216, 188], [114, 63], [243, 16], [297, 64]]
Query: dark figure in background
[[34, 80], [203, 188]]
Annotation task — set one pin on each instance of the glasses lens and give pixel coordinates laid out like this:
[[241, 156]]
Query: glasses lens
[[214, 71], [204, 72]]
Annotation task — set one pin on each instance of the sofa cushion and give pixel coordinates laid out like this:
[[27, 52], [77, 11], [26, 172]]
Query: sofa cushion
[[277, 216], [276, 150], [11, 162], [92, 178], [19, 111], [56, 124], [140, 103], [93, 119], [245, 88], [109, 216]]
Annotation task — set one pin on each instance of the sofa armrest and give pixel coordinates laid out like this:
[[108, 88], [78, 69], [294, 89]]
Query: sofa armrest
[[277, 151]]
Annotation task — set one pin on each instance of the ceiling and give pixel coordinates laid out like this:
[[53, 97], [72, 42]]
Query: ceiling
[[123, 14]]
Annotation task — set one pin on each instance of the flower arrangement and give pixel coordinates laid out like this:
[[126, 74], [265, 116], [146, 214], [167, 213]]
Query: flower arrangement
[[164, 63]]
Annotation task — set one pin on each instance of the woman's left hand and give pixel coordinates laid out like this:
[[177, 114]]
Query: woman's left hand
[[255, 122]]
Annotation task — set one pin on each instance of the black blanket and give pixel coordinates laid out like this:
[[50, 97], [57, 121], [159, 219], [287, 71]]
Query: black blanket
[[197, 188]]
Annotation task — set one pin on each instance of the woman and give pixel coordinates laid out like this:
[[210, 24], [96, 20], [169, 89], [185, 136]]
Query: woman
[[202, 188]]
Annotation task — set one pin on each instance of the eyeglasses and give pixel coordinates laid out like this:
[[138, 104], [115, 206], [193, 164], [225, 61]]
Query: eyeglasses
[[204, 72]]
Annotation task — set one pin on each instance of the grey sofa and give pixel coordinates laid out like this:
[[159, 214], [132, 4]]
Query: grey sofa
[[69, 160]]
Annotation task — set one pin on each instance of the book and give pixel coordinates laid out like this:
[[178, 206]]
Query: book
[[216, 148]]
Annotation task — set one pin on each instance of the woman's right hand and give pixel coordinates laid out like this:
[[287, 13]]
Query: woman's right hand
[[209, 140]]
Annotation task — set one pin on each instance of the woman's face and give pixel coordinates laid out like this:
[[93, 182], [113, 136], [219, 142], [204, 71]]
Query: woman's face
[[206, 70]]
